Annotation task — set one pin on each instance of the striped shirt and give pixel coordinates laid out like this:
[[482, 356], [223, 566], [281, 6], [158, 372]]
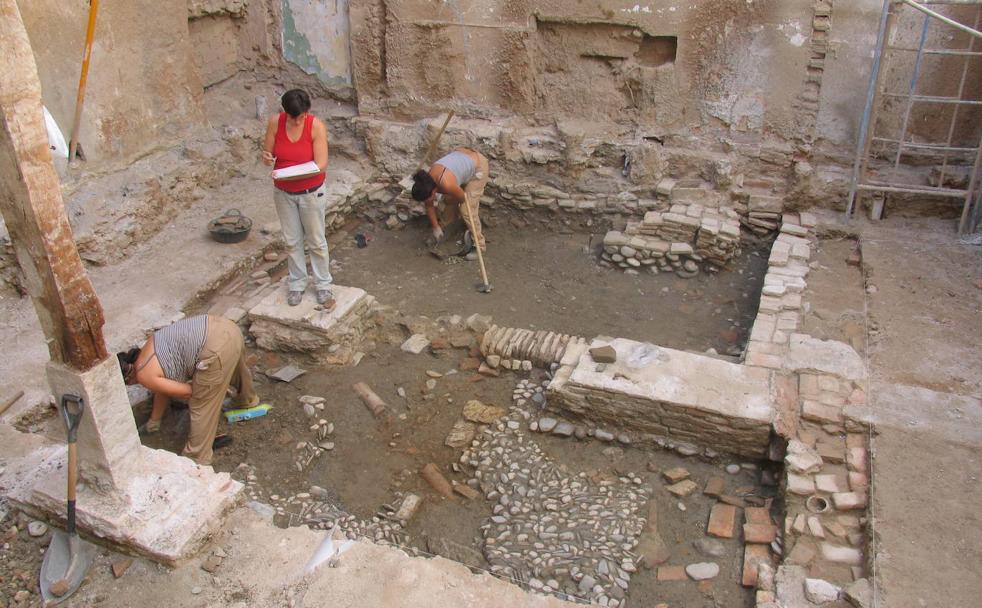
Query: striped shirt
[[177, 347]]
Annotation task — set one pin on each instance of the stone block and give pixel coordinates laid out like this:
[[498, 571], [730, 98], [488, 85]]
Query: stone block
[[858, 482], [818, 412], [802, 459], [802, 485], [604, 354], [856, 459], [831, 451], [841, 555], [808, 354], [829, 484], [654, 390], [109, 450], [722, 521], [849, 501], [165, 509], [306, 327]]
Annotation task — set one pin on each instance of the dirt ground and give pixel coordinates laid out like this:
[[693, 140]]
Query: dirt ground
[[545, 275], [372, 460]]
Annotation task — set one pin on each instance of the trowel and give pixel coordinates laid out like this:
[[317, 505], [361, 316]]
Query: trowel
[[68, 557]]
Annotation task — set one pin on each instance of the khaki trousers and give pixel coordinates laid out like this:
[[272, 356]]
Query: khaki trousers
[[474, 190], [221, 363]]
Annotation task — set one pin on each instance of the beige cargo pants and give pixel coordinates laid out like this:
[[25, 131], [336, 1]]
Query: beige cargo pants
[[221, 363], [474, 190]]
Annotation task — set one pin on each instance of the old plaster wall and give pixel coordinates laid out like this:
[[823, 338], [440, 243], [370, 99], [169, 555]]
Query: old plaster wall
[[142, 88], [228, 36], [668, 64]]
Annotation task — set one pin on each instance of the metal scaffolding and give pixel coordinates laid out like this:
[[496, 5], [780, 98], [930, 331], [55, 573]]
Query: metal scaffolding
[[903, 145]]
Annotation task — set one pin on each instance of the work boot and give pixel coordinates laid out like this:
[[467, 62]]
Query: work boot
[[326, 299], [294, 298]]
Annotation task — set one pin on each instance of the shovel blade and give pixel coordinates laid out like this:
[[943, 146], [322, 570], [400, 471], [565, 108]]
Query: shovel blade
[[65, 565]]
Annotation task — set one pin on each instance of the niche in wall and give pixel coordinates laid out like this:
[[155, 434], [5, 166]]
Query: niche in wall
[[656, 51]]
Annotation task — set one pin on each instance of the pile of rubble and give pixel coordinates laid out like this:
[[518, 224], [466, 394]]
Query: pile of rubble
[[679, 240]]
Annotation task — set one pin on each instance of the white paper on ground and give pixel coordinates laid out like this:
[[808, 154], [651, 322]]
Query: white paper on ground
[[307, 168], [326, 551]]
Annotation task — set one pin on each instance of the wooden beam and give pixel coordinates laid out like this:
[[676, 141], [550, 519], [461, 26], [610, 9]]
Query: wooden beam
[[32, 207]]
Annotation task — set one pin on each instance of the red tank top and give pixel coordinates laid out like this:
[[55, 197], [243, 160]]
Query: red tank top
[[289, 153]]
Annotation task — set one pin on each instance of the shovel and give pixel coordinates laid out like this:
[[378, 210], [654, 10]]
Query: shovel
[[68, 557]]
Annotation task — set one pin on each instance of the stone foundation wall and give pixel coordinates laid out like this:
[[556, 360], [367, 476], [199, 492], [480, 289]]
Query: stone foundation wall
[[658, 394]]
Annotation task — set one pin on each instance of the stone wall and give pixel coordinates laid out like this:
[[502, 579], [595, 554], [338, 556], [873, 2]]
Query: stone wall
[[659, 393]]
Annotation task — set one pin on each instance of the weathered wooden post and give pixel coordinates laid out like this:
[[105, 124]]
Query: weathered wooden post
[[70, 313]]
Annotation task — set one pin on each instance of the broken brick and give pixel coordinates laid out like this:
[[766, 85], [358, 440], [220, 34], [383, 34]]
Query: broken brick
[[675, 475], [722, 520], [672, 573], [753, 556], [756, 515], [736, 501], [759, 533], [682, 488]]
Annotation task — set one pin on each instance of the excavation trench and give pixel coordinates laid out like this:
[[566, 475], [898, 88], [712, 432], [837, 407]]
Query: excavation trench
[[550, 512]]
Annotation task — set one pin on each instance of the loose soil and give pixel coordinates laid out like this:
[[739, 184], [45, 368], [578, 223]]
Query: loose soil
[[545, 275]]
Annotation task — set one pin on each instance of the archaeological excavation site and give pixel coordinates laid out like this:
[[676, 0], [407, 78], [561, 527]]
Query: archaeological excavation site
[[404, 303]]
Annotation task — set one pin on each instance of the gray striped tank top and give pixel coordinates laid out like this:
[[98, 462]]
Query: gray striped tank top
[[461, 165], [177, 347]]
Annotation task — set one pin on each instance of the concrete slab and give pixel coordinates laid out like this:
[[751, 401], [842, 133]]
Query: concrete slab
[[168, 508]]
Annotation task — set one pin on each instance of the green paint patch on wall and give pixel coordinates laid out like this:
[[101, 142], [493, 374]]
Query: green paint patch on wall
[[326, 55]]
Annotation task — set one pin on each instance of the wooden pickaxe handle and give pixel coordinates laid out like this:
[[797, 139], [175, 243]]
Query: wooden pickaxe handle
[[435, 141]]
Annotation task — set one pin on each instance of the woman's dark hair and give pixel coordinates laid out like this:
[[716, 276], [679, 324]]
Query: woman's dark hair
[[423, 185], [127, 359], [295, 102]]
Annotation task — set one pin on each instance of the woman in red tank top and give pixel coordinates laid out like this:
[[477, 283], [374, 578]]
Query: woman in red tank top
[[295, 137]]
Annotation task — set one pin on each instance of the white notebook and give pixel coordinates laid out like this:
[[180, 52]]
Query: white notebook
[[307, 168]]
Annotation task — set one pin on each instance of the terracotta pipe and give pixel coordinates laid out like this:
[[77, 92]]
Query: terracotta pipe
[[80, 99]]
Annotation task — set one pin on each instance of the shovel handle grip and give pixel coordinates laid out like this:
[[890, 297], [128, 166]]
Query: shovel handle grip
[[72, 407]]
